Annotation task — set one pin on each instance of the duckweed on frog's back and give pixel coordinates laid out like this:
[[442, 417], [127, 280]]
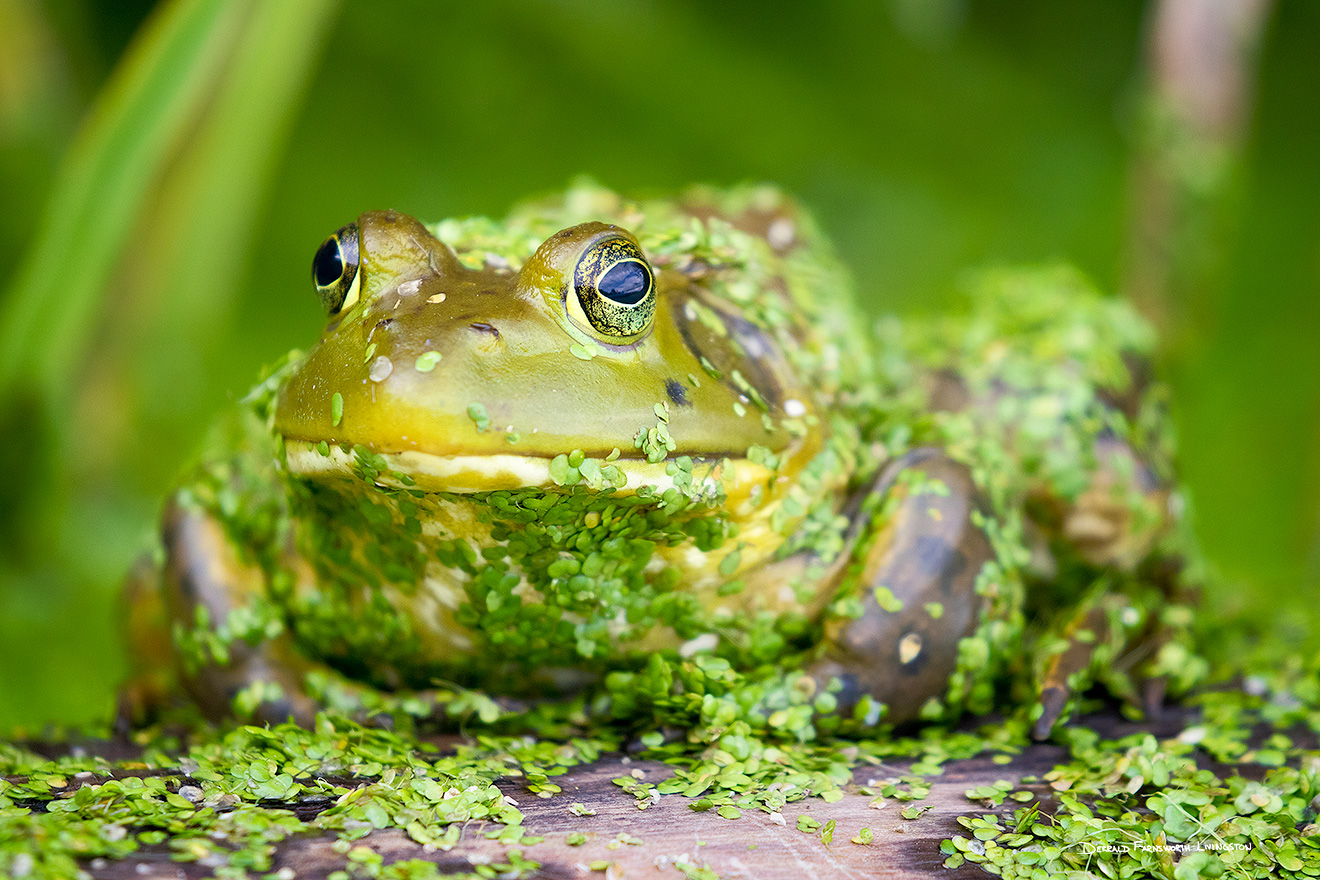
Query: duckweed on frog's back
[[527, 454]]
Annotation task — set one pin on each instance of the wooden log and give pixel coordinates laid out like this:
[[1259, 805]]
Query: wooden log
[[671, 839]]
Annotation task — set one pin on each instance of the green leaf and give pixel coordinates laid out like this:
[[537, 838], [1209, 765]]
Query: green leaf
[[194, 118]]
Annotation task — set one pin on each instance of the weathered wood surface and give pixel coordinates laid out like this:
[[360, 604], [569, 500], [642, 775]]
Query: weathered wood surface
[[752, 846], [671, 833]]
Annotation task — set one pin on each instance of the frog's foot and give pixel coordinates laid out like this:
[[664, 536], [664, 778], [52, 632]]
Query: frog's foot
[[232, 653], [1106, 640], [1084, 632], [918, 588]]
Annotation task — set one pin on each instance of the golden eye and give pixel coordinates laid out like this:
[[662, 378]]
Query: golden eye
[[335, 270], [615, 287]]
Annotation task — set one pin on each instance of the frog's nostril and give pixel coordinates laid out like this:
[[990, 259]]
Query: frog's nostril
[[489, 339]]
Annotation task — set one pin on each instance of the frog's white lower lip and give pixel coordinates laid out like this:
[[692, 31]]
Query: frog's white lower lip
[[488, 473], [431, 473]]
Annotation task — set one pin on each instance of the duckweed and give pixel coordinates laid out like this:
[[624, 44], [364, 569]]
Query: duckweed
[[1133, 806]]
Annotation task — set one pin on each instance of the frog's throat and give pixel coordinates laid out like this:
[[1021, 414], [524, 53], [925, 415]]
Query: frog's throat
[[735, 477]]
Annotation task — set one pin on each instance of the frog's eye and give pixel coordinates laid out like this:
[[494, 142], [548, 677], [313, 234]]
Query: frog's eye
[[615, 287], [335, 270]]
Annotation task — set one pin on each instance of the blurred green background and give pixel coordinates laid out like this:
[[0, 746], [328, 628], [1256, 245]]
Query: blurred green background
[[167, 174]]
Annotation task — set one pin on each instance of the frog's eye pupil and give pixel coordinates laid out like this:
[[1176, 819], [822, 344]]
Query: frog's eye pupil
[[625, 283], [335, 270], [328, 264]]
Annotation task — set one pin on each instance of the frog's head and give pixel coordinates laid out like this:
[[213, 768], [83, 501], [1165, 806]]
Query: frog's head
[[467, 373]]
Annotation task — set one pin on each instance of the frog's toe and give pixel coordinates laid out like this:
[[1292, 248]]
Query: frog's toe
[[1053, 703], [919, 596], [1066, 669]]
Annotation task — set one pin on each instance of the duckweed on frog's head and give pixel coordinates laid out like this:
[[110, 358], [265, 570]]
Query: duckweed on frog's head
[[572, 338]]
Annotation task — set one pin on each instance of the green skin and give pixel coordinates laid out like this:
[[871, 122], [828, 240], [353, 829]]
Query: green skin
[[499, 468]]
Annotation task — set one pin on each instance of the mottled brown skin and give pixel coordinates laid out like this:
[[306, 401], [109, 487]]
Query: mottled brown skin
[[929, 551], [202, 572]]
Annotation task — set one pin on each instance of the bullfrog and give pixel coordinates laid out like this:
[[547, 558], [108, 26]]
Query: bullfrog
[[524, 454]]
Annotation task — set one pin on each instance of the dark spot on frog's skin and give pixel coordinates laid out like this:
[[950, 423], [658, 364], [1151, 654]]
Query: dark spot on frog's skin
[[677, 393], [939, 559], [384, 323], [482, 327]]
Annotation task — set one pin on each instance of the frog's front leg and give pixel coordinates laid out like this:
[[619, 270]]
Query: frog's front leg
[[225, 636], [918, 587]]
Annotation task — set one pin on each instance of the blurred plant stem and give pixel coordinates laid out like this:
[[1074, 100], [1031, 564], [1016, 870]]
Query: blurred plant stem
[[140, 247], [1188, 189], [1200, 63], [203, 95]]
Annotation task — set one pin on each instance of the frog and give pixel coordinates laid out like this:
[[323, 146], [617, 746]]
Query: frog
[[525, 454]]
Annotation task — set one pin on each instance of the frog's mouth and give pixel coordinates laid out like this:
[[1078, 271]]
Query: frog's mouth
[[468, 473]]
